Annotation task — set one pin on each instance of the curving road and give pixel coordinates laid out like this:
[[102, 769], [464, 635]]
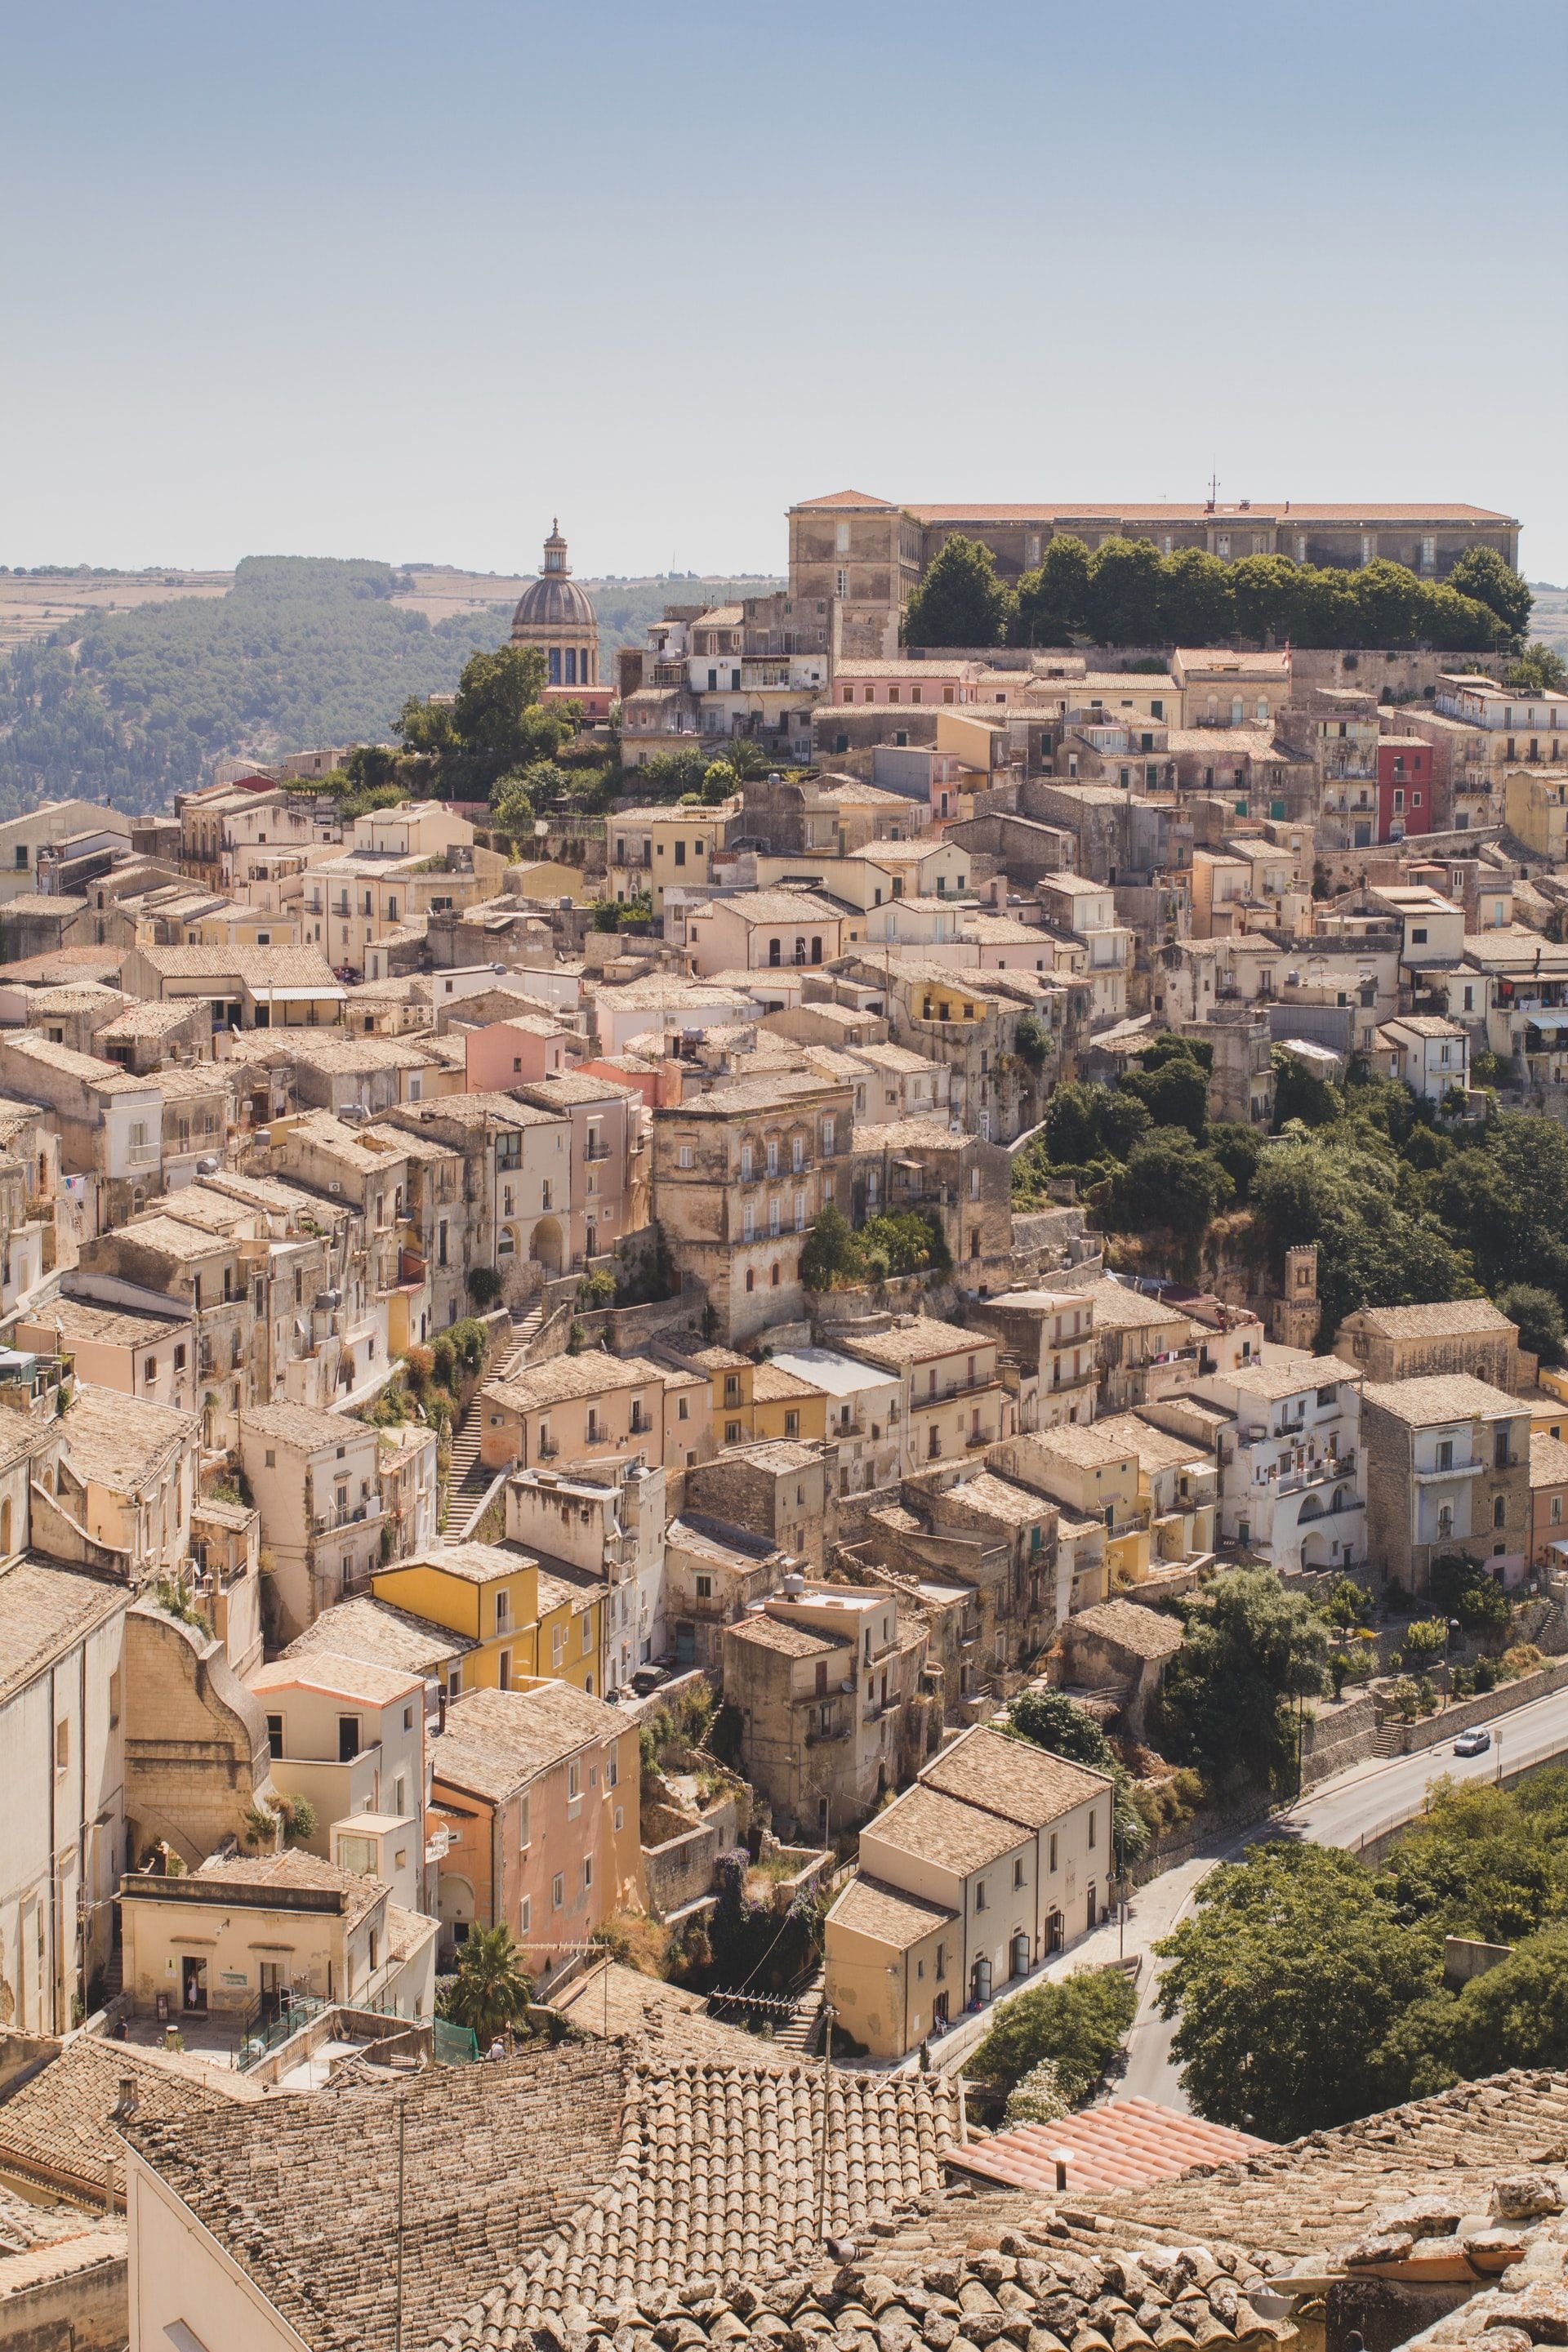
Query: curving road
[[1353, 1809]]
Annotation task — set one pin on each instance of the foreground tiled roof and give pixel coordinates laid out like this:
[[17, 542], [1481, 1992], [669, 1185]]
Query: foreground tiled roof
[[1317, 2192], [302, 2192], [57, 2128], [718, 2182], [966, 2272], [1124, 2144]]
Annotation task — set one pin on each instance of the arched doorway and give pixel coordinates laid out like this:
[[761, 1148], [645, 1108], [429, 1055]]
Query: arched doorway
[[548, 1246]]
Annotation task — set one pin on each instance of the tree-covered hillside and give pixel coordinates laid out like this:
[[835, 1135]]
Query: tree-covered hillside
[[303, 651]]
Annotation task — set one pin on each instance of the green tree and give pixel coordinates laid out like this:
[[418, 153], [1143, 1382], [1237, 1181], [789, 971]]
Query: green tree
[[959, 602], [1078, 2022], [1249, 1648], [1171, 1185], [1539, 670], [1288, 1979], [1387, 600], [1053, 602], [1239, 1149], [1539, 1314], [1465, 1588], [1478, 1864], [1263, 595], [1300, 1093], [372, 766], [490, 1992], [1373, 1250], [1125, 583], [828, 1255], [1197, 605], [1048, 1719], [1482, 574], [1173, 1085]]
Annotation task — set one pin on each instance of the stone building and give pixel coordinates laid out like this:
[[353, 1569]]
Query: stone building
[[822, 1677], [738, 1177], [1121, 1646], [558, 617], [1447, 1470], [1456, 1335], [777, 1489]]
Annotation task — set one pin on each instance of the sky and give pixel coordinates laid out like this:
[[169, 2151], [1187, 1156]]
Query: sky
[[364, 278]]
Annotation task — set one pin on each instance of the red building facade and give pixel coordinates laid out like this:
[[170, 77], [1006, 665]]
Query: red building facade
[[1403, 787]]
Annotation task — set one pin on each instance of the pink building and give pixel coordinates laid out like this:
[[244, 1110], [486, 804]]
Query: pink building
[[537, 1792], [609, 1163], [505, 1053], [918, 684]]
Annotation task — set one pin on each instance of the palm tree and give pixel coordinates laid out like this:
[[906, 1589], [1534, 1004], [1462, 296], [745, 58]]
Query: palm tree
[[491, 1992]]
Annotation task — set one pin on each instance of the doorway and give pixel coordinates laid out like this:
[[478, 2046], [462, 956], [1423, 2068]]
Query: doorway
[[980, 1983], [1056, 1932], [193, 1986], [1019, 1955], [1093, 1908]]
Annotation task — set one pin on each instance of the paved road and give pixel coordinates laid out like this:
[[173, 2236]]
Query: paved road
[[1353, 1808]]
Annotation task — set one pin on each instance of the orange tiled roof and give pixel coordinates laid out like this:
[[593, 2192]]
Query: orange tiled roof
[[1125, 2144]]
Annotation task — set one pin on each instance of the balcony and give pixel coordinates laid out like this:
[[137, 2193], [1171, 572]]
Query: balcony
[[1437, 1478]]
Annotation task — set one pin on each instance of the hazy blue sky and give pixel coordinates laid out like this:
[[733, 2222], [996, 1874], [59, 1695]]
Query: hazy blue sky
[[328, 277]]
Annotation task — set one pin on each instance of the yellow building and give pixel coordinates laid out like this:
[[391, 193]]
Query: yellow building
[[650, 848], [1535, 808], [525, 1622], [783, 1405], [1097, 1478]]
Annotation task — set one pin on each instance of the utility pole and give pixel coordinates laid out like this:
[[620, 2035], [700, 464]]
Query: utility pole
[[828, 2013], [397, 2308]]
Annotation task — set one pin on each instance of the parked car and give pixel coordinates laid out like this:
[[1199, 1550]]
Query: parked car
[[1473, 1743]]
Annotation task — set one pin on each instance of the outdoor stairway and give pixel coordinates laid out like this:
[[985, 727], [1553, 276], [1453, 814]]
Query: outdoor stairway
[[799, 2033], [467, 1480]]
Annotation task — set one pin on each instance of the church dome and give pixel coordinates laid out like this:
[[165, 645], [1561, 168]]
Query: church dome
[[553, 601]]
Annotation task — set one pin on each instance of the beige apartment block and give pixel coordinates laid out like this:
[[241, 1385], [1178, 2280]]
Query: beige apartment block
[[120, 1485], [61, 1734], [349, 1737], [997, 1857], [315, 1479], [252, 1929], [953, 1402], [578, 1411], [1447, 1470]]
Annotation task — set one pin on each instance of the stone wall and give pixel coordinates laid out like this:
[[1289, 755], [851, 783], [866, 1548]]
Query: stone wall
[[679, 1870], [1484, 1709], [196, 1738], [87, 2311], [1340, 1734]]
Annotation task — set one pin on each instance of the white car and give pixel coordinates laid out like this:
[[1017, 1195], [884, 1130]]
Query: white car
[[1473, 1743]]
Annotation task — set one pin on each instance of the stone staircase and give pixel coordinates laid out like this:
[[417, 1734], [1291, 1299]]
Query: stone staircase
[[467, 1480], [801, 2032]]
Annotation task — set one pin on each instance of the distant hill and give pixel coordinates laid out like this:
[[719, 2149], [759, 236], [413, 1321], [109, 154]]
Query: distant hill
[[137, 704]]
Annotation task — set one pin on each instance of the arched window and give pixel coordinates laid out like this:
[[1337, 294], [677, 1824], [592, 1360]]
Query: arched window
[[1445, 1519], [506, 1243], [750, 1278], [1500, 1512], [775, 1274]]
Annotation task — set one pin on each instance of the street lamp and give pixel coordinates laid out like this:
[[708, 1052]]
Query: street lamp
[[1449, 1630]]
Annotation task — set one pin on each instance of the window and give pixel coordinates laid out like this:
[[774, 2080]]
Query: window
[[573, 1779], [587, 1871], [1445, 1454], [525, 1823], [980, 1895], [1500, 1512], [275, 1736], [1017, 1874], [62, 1746], [558, 1890], [705, 1588], [684, 1156], [1093, 1825]]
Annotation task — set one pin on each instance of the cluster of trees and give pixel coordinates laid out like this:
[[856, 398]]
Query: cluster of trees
[[1145, 1153], [1051, 1720], [1074, 2026], [302, 651], [1403, 1212], [906, 1241], [1125, 593], [1403, 1208], [1311, 1990], [1251, 1655]]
